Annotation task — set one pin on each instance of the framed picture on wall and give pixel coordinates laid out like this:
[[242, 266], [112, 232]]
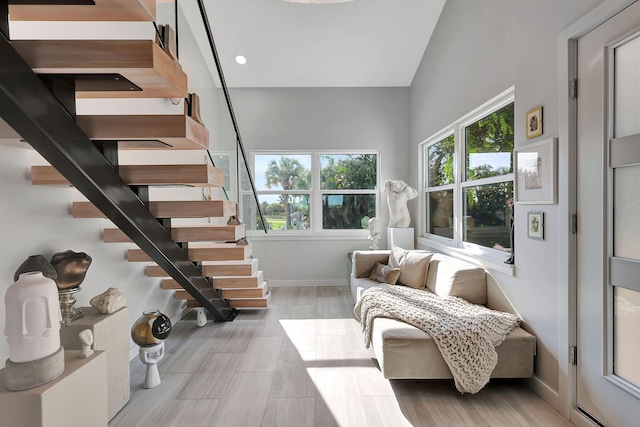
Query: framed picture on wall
[[535, 225], [534, 122], [535, 172]]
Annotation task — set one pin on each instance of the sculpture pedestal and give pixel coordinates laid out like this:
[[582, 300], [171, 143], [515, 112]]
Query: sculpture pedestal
[[110, 333], [401, 237], [77, 398], [150, 356], [26, 375]]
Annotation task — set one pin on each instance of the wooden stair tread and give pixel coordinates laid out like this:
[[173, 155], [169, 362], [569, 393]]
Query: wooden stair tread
[[230, 294], [169, 209], [198, 175], [236, 282], [239, 303], [142, 62], [209, 252], [147, 131], [102, 10], [250, 304], [171, 284], [244, 303], [245, 267], [181, 233], [259, 291]]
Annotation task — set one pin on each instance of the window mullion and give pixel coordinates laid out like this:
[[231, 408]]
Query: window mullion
[[316, 203], [457, 197], [490, 180]]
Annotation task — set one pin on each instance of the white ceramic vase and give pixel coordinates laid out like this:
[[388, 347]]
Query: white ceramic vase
[[32, 322]]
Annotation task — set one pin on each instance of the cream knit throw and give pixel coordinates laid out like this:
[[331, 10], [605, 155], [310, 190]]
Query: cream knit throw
[[465, 333]]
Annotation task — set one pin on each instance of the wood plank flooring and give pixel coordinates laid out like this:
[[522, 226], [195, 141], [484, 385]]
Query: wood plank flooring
[[302, 363]]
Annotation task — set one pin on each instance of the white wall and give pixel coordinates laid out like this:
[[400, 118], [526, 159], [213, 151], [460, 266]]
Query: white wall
[[478, 50], [36, 220], [324, 118]]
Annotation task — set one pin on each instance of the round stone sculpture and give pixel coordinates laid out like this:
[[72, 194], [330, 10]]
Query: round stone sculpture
[[151, 328], [32, 318]]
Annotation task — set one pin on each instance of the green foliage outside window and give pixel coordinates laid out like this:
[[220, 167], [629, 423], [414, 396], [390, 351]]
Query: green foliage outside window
[[348, 172], [491, 140], [487, 149]]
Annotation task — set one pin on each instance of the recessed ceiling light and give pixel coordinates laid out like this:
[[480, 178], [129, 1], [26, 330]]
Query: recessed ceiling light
[[241, 60]]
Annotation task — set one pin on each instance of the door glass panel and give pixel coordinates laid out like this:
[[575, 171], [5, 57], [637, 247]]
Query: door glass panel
[[626, 212], [626, 349], [627, 82]]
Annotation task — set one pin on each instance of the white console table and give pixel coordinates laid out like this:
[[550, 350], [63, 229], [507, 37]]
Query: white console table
[[77, 398], [110, 333]]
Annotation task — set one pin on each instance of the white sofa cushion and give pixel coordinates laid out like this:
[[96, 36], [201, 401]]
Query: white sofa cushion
[[406, 352], [413, 265], [450, 277]]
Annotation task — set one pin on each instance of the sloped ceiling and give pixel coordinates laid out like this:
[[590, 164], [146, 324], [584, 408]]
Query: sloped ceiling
[[363, 43]]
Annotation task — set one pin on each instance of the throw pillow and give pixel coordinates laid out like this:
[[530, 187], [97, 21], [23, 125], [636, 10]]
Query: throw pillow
[[413, 265], [451, 277], [385, 274]]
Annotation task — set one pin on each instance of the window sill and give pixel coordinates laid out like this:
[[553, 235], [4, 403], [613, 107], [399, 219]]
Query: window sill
[[297, 236], [493, 264]]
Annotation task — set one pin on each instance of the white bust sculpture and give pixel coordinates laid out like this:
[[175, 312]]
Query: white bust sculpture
[[86, 339], [398, 194], [374, 233]]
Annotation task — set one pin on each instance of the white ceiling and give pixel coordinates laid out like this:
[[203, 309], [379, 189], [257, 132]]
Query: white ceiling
[[363, 43]]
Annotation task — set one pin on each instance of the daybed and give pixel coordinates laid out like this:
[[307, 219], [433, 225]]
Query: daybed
[[404, 351]]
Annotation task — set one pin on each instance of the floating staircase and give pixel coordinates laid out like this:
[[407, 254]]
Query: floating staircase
[[218, 272], [108, 68], [150, 175], [83, 10]]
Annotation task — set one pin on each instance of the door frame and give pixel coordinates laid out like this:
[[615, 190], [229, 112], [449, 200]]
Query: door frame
[[567, 119]]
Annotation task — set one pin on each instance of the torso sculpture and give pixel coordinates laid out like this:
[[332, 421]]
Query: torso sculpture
[[398, 194]]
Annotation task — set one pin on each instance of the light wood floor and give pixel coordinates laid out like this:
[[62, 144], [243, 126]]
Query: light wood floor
[[303, 363]]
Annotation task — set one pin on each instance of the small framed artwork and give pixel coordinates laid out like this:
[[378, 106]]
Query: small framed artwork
[[534, 122], [535, 225], [535, 172]]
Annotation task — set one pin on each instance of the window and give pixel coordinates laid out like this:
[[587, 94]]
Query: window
[[314, 191], [468, 179]]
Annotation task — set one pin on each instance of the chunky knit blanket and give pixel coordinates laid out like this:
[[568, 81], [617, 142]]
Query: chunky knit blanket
[[466, 334]]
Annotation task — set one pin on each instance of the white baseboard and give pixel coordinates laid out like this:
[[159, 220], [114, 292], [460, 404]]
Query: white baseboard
[[545, 392], [287, 283]]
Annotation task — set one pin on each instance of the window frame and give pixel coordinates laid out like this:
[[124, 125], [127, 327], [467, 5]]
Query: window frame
[[316, 193], [457, 245]]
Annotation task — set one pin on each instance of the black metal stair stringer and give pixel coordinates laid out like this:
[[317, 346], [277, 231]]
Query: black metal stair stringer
[[34, 113]]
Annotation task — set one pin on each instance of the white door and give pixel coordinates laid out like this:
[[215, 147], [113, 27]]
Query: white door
[[608, 274]]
